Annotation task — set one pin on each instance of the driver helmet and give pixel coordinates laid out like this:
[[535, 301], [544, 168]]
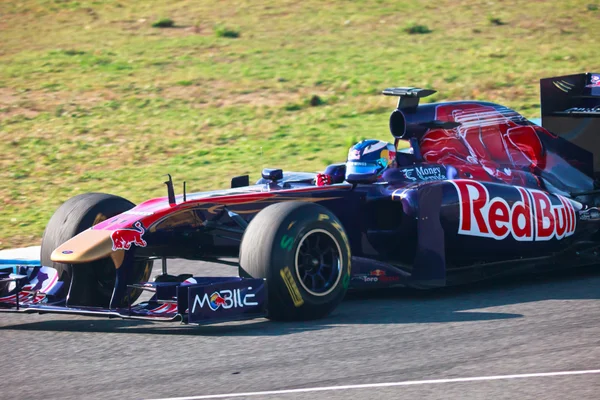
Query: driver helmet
[[370, 157]]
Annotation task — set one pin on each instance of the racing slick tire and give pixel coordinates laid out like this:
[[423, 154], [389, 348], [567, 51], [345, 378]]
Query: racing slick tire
[[304, 254], [95, 280]]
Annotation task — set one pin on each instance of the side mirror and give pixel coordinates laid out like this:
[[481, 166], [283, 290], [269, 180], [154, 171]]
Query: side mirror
[[272, 174], [337, 172]]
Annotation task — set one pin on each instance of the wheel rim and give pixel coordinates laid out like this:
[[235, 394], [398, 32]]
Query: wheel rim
[[318, 262]]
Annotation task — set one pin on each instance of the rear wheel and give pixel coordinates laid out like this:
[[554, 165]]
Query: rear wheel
[[96, 280], [303, 252]]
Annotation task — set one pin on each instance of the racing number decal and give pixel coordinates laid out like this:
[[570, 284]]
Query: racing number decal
[[287, 277]]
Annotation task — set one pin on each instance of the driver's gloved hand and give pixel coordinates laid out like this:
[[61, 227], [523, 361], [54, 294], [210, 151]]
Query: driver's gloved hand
[[323, 179]]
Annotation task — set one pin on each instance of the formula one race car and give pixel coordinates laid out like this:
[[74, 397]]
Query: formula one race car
[[480, 192]]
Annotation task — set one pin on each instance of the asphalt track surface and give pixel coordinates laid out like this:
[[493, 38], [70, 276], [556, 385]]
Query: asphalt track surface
[[521, 325]]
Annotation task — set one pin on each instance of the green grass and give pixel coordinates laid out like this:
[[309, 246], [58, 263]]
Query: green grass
[[164, 23], [223, 31], [496, 21], [93, 98], [417, 29]]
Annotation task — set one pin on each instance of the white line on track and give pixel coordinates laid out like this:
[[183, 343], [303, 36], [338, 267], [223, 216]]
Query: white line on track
[[388, 384]]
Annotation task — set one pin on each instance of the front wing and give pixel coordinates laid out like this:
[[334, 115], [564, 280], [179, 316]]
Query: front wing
[[197, 300]]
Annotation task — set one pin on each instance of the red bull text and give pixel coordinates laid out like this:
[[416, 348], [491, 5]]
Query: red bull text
[[532, 217]]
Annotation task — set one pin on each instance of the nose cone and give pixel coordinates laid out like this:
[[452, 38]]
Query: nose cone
[[89, 245]]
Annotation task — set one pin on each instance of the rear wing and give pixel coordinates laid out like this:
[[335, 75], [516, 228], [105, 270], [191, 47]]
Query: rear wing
[[571, 110], [409, 96]]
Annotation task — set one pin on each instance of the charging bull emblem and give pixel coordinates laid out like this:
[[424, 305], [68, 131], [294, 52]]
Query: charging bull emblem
[[122, 239]]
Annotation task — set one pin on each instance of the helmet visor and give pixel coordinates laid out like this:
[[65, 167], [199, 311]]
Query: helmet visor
[[362, 168]]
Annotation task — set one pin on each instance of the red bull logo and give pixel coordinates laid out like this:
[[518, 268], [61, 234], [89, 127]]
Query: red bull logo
[[216, 301], [533, 217], [122, 239]]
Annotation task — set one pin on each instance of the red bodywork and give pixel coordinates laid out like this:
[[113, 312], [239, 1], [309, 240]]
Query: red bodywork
[[152, 211], [487, 145]]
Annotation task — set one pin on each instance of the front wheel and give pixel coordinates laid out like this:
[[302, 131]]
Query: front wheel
[[97, 278], [303, 252]]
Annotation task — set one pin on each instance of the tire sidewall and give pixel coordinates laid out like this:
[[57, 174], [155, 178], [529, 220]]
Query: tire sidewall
[[106, 207]]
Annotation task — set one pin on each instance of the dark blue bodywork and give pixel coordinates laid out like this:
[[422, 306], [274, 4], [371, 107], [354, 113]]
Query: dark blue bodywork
[[482, 192]]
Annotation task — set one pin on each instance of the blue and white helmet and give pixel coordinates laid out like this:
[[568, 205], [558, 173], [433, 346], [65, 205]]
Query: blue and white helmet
[[370, 157]]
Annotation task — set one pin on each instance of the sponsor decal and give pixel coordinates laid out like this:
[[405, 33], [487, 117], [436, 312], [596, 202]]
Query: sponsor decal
[[367, 278], [140, 213], [594, 81], [216, 301], [591, 214], [226, 299], [67, 251], [122, 239], [409, 174], [292, 288], [532, 217], [424, 173], [353, 155], [583, 110], [377, 275], [563, 85]]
